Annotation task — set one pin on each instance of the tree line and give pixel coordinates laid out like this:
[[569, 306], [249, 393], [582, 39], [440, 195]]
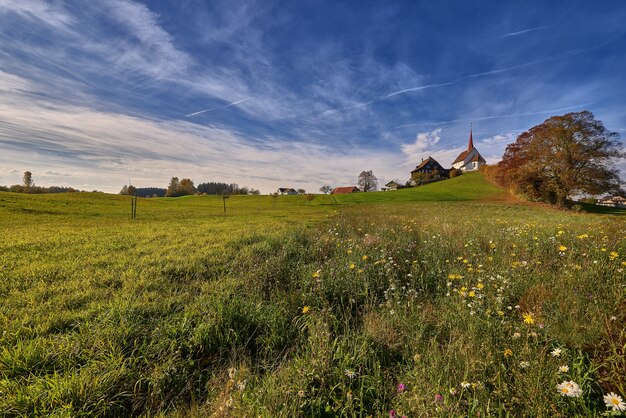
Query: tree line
[[186, 187], [28, 186]]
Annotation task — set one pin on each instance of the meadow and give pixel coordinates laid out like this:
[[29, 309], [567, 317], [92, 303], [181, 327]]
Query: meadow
[[451, 299]]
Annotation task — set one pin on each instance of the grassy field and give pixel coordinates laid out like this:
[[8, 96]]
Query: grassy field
[[451, 299]]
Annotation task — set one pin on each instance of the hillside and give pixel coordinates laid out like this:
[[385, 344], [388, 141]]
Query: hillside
[[467, 187], [437, 300]]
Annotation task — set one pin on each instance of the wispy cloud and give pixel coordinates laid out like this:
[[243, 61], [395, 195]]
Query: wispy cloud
[[521, 32]]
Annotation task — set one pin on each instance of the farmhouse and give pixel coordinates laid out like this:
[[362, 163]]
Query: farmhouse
[[428, 169], [287, 190], [345, 190], [392, 185], [470, 159]]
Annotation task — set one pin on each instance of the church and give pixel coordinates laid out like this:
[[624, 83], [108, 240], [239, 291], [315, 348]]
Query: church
[[470, 159]]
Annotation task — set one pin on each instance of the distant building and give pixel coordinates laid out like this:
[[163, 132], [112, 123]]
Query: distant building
[[392, 185], [428, 170], [470, 159], [287, 190], [615, 201], [345, 190]]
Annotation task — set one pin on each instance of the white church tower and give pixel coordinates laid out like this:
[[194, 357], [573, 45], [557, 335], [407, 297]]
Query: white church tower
[[470, 159]]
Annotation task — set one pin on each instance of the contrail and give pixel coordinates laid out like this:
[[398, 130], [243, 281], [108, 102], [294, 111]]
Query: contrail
[[514, 115], [524, 31], [219, 107], [428, 86]]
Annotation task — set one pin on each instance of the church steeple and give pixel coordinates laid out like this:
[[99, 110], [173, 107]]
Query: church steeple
[[471, 140]]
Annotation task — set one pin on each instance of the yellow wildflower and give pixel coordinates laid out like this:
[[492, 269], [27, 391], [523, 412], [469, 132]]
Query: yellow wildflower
[[364, 257], [472, 294], [528, 318], [480, 286], [352, 266], [562, 248], [306, 309], [508, 352]]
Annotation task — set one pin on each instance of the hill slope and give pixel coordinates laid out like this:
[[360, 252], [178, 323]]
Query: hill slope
[[469, 186]]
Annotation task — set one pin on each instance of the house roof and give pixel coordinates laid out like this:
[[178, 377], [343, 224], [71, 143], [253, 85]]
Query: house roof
[[461, 156], [345, 190], [391, 183], [425, 162]]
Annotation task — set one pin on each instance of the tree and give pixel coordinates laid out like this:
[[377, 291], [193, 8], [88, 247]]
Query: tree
[[186, 187], [173, 188], [28, 181], [564, 156], [368, 181], [326, 189], [129, 190]]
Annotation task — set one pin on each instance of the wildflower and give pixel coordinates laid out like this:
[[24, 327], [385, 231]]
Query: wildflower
[[508, 352], [364, 258], [524, 364], [392, 414], [352, 266], [615, 402], [472, 294], [350, 373], [439, 398], [516, 335], [564, 369], [316, 275], [562, 248], [306, 309], [465, 384], [613, 255], [301, 393], [401, 388], [500, 313], [480, 286], [556, 352], [528, 318], [570, 389], [452, 391]]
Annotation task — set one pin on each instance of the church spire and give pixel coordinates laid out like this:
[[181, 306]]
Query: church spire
[[471, 140]]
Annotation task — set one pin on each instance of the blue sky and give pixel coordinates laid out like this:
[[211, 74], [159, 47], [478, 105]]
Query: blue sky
[[297, 94]]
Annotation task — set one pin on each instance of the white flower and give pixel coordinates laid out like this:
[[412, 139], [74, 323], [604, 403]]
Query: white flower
[[524, 364], [615, 402], [556, 352], [350, 373], [570, 389], [465, 385], [516, 335], [564, 369]]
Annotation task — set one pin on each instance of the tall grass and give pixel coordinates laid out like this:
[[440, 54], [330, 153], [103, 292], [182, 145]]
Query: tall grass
[[287, 309]]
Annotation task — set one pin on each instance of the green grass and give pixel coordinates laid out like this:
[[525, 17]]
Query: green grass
[[470, 186], [284, 307]]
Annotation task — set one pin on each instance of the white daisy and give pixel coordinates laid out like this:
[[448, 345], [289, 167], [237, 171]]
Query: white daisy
[[564, 369], [556, 352], [570, 389], [615, 402]]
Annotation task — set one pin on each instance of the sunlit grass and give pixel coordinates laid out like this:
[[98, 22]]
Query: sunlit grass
[[284, 307]]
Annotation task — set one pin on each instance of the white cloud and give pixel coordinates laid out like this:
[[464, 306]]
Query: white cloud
[[424, 141]]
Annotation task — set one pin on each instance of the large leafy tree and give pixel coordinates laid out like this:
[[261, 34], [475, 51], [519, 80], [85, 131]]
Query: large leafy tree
[[565, 155]]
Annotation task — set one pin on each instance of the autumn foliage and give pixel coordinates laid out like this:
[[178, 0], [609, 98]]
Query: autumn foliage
[[566, 155]]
